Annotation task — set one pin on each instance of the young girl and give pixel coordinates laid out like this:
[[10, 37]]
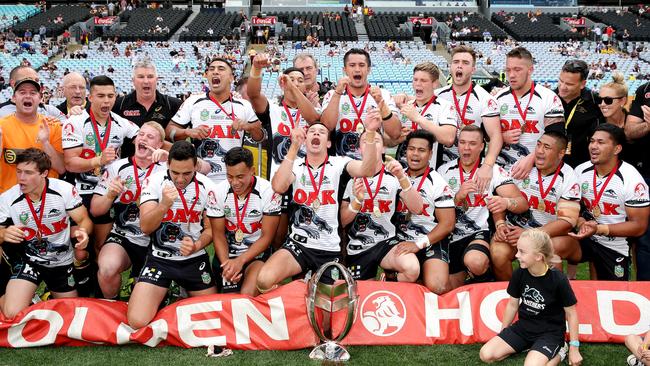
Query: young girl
[[640, 349], [544, 300]]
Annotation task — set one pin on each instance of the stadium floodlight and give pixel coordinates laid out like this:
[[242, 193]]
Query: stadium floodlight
[[329, 299]]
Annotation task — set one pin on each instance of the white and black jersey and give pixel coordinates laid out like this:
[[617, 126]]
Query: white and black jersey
[[47, 110], [350, 126], [472, 215], [471, 108], [54, 247], [126, 212], [78, 131], [374, 222], [625, 189], [315, 220], [179, 221], [543, 211], [441, 112], [435, 194], [543, 104], [283, 121], [261, 201], [200, 110]]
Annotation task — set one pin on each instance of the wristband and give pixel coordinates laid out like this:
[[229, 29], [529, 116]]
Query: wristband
[[602, 229], [172, 135], [500, 222], [354, 210], [404, 190], [337, 92], [356, 200], [389, 116], [574, 343], [96, 162], [422, 242]]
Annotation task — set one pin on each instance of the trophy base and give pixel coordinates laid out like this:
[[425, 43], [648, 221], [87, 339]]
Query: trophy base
[[330, 351]]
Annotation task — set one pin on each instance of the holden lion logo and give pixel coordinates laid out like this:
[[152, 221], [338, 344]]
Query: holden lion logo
[[383, 313]]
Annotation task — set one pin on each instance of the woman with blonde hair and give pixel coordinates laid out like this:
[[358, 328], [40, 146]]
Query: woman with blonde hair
[[612, 99], [547, 302]]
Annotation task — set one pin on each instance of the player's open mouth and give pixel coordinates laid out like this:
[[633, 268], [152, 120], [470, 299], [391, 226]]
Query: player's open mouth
[[315, 142], [216, 81], [142, 147], [357, 77], [105, 109], [459, 74], [27, 104]]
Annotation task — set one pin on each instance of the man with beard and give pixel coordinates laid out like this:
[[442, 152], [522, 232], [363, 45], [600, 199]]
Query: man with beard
[[21, 73], [292, 110], [173, 207], [91, 141], [615, 207], [553, 196], [215, 121], [243, 223], [145, 103], [313, 238], [474, 106], [426, 234], [74, 90], [368, 207], [527, 111], [42, 239], [346, 107], [119, 190], [469, 252], [426, 111]]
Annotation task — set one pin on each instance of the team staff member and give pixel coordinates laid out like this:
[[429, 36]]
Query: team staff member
[[173, 209], [314, 91], [74, 90], [581, 113], [313, 238], [119, 189], [43, 240], [473, 105], [616, 207], [145, 103], [243, 223]]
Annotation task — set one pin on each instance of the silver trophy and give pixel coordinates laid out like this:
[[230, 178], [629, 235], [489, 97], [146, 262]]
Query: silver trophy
[[330, 299]]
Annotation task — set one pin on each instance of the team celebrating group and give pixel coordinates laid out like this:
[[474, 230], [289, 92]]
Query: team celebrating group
[[477, 180]]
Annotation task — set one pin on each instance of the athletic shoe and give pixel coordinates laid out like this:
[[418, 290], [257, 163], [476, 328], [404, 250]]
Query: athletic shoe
[[633, 361]]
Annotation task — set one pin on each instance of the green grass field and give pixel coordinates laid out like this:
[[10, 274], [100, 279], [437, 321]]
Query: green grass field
[[593, 354]]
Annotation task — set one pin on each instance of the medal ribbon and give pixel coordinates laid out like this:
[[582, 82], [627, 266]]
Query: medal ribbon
[[467, 95], [38, 220], [240, 219], [136, 175], [369, 190], [598, 195], [414, 126], [291, 120], [103, 142], [542, 192], [232, 107], [311, 176], [358, 112], [471, 175], [530, 98], [188, 212]]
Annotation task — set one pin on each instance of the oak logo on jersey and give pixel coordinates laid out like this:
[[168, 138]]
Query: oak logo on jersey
[[606, 207], [179, 215], [529, 126], [303, 198], [46, 229], [217, 132]]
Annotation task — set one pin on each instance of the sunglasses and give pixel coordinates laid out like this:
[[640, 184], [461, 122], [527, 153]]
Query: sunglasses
[[607, 100]]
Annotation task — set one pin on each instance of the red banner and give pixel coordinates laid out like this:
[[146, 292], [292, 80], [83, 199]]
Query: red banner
[[423, 21], [576, 22], [106, 20], [264, 21], [388, 314]]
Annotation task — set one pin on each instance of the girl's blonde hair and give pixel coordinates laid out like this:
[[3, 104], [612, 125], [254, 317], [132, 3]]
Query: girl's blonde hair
[[617, 84], [541, 243]]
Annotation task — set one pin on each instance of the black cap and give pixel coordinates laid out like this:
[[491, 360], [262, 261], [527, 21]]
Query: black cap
[[27, 80]]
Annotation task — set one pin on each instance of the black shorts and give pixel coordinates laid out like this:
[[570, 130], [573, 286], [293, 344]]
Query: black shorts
[[193, 274], [520, 339], [224, 286], [458, 249], [57, 279], [97, 220], [363, 266], [136, 253], [610, 265], [439, 251], [312, 259]]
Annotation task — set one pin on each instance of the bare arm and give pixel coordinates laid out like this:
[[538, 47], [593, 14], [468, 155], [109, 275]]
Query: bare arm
[[636, 128], [636, 224], [56, 157], [80, 216], [269, 227], [330, 115], [219, 238], [257, 99], [284, 177], [76, 164], [493, 129], [510, 312], [446, 218], [567, 217]]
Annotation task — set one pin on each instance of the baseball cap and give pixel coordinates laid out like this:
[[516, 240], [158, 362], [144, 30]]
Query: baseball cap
[[27, 80]]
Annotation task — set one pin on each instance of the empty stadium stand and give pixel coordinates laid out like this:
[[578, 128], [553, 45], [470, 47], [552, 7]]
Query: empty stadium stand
[[473, 19], [8, 12], [222, 24], [385, 27], [71, 14], [544, 29], [335, 30], [141, 23], [625, 20]]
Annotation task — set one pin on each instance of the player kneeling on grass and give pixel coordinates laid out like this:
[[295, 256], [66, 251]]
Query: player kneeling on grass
[[426, 234], [368, 206], [244, 222], [640, 348], [544, 301], [35, 214], [173, 204]]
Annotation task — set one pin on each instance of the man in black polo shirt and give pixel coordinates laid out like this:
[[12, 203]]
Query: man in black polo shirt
[[581, 112], [637, 130], [145, 103], [75, 92], [309, 67]]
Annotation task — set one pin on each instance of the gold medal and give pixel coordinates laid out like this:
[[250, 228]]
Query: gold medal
[[376, 211], [541, 206], [315, 204], [360, 128], [596, 211], [239, 236]]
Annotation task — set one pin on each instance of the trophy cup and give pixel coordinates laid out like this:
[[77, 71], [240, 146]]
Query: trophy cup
[[330, 299]]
